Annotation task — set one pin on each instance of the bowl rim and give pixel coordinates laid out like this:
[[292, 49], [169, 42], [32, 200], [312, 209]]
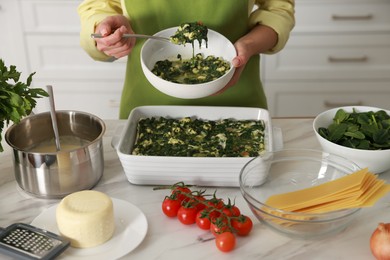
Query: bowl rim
[[324, 217]]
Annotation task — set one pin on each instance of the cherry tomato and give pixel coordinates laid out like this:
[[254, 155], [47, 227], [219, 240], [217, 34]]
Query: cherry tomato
[[179, 191], [200, 202], [231, 211], [216, 203], [187, 215], [170, 207], [197, 202], [225, 241], [242, 225], [203, 219], [219, 225]]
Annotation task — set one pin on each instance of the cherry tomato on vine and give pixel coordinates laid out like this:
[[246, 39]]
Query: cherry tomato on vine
[[219, 225], [197, 202], [242, 225], [180, 192], [170, 206], [187, 215], [225, 241], [202, 220], [231, 211], [216, 203]]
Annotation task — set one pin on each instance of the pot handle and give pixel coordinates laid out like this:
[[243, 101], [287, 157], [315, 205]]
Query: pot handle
[[115, 140]]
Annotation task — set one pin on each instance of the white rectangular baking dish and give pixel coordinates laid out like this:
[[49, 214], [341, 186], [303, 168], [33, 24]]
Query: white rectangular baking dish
[[203, 171]]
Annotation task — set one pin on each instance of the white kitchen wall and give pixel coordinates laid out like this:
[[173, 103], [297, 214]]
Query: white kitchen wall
[[338, 54]]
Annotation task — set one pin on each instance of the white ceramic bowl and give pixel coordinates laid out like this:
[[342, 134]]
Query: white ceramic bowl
[[377, 161], [154, 50], [289, 170]]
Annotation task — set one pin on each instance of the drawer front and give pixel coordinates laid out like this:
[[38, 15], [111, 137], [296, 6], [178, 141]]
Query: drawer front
[[311, 98], [50, 16], [363, 56], [317, 16], [61, 57]]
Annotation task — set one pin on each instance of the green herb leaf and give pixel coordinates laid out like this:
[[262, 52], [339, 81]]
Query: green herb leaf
[[17, 99]]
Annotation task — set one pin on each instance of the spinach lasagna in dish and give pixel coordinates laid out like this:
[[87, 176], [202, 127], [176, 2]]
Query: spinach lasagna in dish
[[187, 137]]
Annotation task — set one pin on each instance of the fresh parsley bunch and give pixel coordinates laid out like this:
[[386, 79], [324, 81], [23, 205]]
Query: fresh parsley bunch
[[17, 99], [362, 130]]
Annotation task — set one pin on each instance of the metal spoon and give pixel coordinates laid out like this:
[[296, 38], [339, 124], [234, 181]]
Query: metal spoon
[[128, 35], [53, 117]]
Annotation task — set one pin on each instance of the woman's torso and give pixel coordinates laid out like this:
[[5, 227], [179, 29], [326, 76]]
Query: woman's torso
[[228, 17]]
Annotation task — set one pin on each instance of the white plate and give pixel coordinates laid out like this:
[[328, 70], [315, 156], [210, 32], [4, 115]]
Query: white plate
[[204, 171], [130, 229]]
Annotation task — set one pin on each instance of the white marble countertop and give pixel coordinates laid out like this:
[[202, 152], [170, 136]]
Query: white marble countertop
[[169, 239]]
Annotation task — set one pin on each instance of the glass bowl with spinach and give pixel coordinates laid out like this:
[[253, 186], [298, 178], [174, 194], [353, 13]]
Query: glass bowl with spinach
[[358, 133]]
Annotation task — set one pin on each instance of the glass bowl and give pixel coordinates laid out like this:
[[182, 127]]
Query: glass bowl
[[289, 170]]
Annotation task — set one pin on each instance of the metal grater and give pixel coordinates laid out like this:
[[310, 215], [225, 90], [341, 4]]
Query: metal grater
[[24, 241]]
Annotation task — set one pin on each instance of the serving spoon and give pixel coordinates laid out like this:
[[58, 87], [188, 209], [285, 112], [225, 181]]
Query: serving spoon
[[131, 35]]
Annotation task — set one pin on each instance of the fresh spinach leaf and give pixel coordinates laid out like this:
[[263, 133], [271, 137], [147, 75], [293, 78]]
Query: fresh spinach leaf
[[361, 130]]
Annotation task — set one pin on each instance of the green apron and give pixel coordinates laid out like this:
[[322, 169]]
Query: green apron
[[229, 17]]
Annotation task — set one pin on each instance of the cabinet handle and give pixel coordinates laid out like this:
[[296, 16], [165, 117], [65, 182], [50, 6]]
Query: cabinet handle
[[342, 104], [348, 59], [337, 17]]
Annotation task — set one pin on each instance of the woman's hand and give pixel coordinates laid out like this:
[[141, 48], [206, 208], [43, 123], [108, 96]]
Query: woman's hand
[[239, 63], [113, 27], [259, 40]]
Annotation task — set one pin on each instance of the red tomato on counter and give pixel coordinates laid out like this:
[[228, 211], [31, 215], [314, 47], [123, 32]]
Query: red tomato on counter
[[170, 207]]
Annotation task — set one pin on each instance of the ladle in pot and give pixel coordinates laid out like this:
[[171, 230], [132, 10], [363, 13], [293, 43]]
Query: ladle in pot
[[53, 117]]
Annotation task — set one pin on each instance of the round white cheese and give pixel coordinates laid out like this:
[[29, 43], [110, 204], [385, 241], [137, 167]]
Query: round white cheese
[[86, 218]]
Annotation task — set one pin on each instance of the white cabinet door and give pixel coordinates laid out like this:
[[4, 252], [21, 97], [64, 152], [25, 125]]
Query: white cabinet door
[[12, 49], [61, 57], [51, 33], [99, 98]]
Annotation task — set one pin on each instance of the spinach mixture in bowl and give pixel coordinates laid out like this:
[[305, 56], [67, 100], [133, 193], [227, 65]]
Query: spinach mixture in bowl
[[196, 70]]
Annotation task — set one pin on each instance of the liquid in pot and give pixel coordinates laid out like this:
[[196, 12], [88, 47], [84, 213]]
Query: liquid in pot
[[67, 143]]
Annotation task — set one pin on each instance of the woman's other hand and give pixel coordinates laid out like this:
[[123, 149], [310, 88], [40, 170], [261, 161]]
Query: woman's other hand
[[259, 40], [112, 44]]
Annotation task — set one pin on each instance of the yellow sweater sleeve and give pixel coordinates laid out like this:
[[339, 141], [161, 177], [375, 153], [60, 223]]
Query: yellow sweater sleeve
[[91, 12], [277, 14]]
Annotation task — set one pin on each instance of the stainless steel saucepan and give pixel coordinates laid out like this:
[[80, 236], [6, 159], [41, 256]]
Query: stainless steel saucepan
[[44, 172]]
